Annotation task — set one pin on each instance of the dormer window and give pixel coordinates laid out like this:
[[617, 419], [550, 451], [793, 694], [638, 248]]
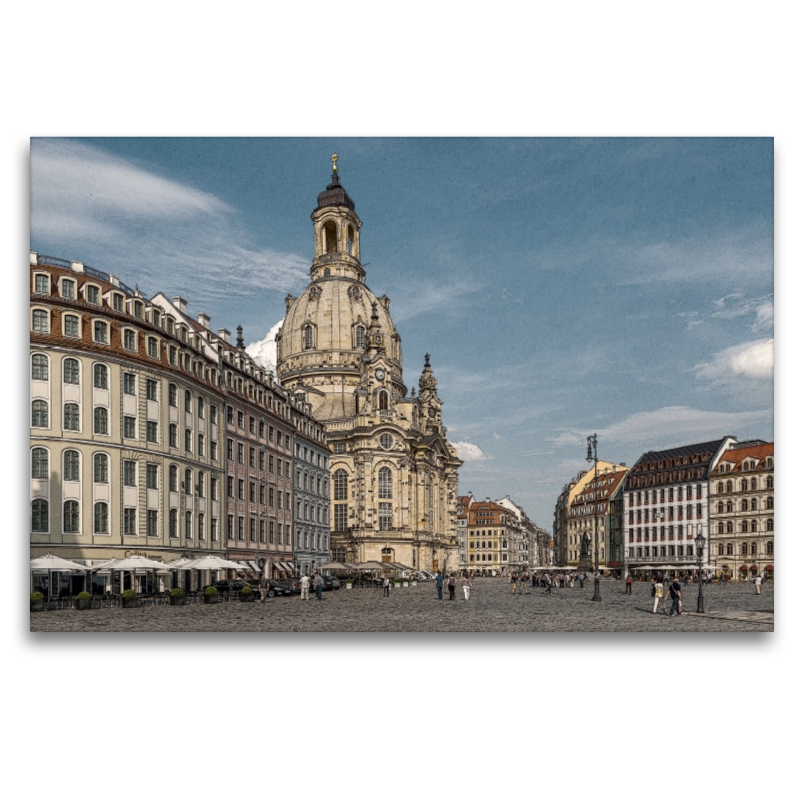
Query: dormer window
[[68, 289], [156, 317], [170, 326], [769, 463], [138, 309], [93, 295], [117, 301], [41, 283]]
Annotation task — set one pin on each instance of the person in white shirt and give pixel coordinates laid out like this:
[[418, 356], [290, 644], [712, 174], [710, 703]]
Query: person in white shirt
[[304, 584]]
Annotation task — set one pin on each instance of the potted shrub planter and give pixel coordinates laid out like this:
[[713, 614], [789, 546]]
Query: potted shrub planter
[[405, 583], [177, 597], [37, 601], [211, 595], [130, 599], [414, 582], [83, 602], [247, 595], [348, 584]]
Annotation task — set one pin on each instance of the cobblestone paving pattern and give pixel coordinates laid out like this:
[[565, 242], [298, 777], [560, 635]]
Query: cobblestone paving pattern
[[492, 607]]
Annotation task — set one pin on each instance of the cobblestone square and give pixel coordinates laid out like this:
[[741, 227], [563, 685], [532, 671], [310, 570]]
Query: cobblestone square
[[492, 607]]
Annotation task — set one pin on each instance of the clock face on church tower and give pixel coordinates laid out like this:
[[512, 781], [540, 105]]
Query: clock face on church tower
[[380, 374]]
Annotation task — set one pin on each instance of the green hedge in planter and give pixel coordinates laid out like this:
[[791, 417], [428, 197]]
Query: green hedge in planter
[[247, 595], [177, 597], [83, 602], [37, 601], [130, 599], [211, 595]]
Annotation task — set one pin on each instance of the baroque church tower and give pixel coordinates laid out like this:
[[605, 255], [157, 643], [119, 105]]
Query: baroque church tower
[[394, 474]]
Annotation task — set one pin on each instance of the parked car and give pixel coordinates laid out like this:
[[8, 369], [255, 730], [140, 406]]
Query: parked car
[[331, 582], [226, 587], [278, 588]]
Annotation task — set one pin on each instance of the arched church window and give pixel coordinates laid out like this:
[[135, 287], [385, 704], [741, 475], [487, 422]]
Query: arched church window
[[360, 335], [340, 485], [386, 441], [351, 240], [308, 337], [383, 400], [326, 273], [385, 483], [329, 233]]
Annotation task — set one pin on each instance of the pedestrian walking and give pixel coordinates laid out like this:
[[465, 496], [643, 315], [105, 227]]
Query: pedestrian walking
[[548, 582], [582, 578], [466, 585], [629, 584], [305, 582], [385, 586], [675, 596], [439, 583], [451, 586], [513, 583], [657, 594], [758, 584], [525, 580], [318, 584]]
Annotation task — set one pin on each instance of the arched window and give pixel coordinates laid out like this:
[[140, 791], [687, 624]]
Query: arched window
[[71, 417], [326, 273], [39, 416], [340, 485], [729, 506], [720, 549], [351, 240], [721, 527], [753, 526], [383, 400], [329, 235], [173, 435], [305, 480], [101, 420], [743, 526], [729, 486], [769, 482], [770, 548], [719, 487], [40, 516], [360, 331], [770, 525], [201, 408], [385, 483], [729, 549], [100, 376], [744, 548], [71, 517], [728, 527], [101, 517], [41, 322], [71, 325], [187, 401], [720, 508], [753, 548], [40, 467], [72, 465], [744, 484], [744, 505], [100, 468], [770, 502], [187, 486], [173, 478], [308, 337], [71, 371], [39, 368]]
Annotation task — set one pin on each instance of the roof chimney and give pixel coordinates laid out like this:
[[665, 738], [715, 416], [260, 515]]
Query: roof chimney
[[204, 320], [225, 335], [180, 304]]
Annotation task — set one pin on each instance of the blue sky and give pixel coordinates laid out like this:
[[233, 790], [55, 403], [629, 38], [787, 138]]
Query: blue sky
[[562, 286]]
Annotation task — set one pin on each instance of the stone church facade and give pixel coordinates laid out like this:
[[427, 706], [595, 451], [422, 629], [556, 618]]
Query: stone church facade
[[394, 475]]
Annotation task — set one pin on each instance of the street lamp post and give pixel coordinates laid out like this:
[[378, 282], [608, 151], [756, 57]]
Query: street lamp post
[[591, 455], [700, 541]]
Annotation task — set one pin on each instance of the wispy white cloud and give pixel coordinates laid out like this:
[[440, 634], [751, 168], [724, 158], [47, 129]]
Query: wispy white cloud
[[751, 361], [467, 451], [121, 218], [424, 296], [669, 426]]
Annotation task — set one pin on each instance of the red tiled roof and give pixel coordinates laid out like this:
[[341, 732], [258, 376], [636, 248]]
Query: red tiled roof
[[736, 455]]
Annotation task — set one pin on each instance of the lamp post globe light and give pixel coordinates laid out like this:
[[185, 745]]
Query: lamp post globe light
[[700, 542], [591, 455]]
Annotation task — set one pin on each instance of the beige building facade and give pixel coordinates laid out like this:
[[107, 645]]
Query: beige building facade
[[394, 475]]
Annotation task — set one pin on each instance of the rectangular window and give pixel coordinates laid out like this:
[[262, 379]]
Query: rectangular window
[[252, 491], [152, 347], [271, 433], [240, 453], [173, 523], [271, 532], [261, 532], [230, 526], [261, 494], [173, 435], [261, 429], [187, 440], [93, 294], [230, 486], [240, 419], [129, 473], [128, 383], [173, 355], [152, 390], [42, 284], [152, 476], [214, 456], [252, 458], [129, 339], [117, 301], [188, 524], [252, 529], [129, 521], [252, 422], [173, 395], [385, 516], [271, 463], [261, 461], [280, 468], [340, 516], [241, 489], [70, 325], [129, 427], [152, 522], [241, 529], [101, 332], [152, 431]]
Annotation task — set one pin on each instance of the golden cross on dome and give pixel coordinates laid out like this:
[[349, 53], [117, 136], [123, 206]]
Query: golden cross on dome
[[334, 159]]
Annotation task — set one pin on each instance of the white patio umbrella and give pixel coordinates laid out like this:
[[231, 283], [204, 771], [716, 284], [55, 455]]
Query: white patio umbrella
[[135, 563], [337, 565], [211, 562], [50, 563]]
